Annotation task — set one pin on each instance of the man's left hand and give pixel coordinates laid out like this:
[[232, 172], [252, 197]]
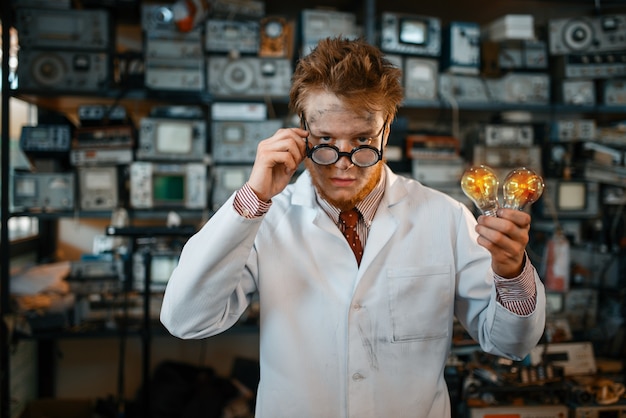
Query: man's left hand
[[505, 237]]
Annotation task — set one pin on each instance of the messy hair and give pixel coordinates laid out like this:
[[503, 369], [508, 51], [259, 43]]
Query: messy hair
[[352, 69]]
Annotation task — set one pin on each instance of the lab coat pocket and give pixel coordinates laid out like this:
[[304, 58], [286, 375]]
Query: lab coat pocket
[[419, 302]]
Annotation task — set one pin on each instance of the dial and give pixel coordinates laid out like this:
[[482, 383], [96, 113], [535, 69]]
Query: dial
[[273, 29]]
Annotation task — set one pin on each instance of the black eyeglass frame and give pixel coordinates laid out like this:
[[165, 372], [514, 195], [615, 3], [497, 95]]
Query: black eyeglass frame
[[310, 151]]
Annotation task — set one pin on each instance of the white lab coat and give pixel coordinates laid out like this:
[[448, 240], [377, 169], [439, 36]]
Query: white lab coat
[[337, 340]]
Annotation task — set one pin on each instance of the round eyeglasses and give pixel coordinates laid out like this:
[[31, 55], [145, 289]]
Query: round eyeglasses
[[326, 154]]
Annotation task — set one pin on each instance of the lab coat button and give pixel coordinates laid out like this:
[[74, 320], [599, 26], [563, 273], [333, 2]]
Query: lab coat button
[[357, 376], [356, 306]]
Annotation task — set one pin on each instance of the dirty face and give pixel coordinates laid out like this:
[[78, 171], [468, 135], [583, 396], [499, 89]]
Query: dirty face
[[329, 121]]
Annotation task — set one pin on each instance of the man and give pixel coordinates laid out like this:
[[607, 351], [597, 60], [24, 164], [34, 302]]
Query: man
[[363, 333]]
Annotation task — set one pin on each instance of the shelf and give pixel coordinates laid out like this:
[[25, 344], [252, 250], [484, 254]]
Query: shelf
[[504, 107], [145, 214], [58, 100]]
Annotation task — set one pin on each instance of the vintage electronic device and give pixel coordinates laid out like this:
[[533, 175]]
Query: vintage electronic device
[[599, 411], [590, 65], [238, 111], [410, 34], [570, 199], [168, 185], [458, 88], [165, 46], [98, 187], [510, 27], [43, 191], [248, 76], [535, 54], [237, 141], [99, 114], [172, 139], [614, 92], [318, 24], [587, 34], [105, 136], [158, 18], [522, 54], [46, 139], [503, 159], [521, 135], [438, 147], [603, 173], [598, 269], [190, 112], [76, 71], [573, 130], [510, 57], [421, 76], [101, 156], [602, 154], [95, 276], [162, 264], [175, 74], [227, 179], [433, 171], [461, 48], [575, 358], [580, 305], [576, 92], [229, 8], [276, 37], [398, 60], [527, 88], [232, 35], [523, 411], [97, 268], [63, 29]]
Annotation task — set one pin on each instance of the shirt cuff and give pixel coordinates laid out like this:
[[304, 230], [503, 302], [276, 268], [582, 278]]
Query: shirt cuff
[[519, 294], [248, 205]]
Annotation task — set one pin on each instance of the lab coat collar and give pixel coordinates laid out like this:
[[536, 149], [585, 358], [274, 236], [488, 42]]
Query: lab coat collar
[[385, 221]]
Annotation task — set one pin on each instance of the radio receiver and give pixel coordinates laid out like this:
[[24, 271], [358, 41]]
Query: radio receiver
[[63, 70], [587, 34], [248, 76], [232, 35], [319, 24], [63, 29]]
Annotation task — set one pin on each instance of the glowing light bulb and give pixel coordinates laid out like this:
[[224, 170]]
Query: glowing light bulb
[[480, 184], [521, 187]]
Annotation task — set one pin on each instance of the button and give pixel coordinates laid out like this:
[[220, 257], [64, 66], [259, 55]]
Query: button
[[356, 306], [357, 376], [245, 212]]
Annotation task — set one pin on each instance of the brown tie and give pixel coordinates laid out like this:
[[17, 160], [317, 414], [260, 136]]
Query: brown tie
[[350, 219]]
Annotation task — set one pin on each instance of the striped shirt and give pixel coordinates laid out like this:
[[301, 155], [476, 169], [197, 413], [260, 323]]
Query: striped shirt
[[518, 294]]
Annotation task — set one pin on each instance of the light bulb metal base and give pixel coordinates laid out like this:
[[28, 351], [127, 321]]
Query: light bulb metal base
[[491, 212]]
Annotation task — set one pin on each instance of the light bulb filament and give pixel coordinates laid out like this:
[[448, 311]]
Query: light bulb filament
[[522, 187], [480, 184]]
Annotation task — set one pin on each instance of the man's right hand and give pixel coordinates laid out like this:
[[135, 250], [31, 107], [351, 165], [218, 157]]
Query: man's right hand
[[277, 159]]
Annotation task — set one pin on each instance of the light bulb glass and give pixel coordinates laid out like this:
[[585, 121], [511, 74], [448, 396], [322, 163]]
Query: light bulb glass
[[480, 184], [522, 187]]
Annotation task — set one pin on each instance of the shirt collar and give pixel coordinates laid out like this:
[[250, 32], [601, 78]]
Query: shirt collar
[[367, 207]]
